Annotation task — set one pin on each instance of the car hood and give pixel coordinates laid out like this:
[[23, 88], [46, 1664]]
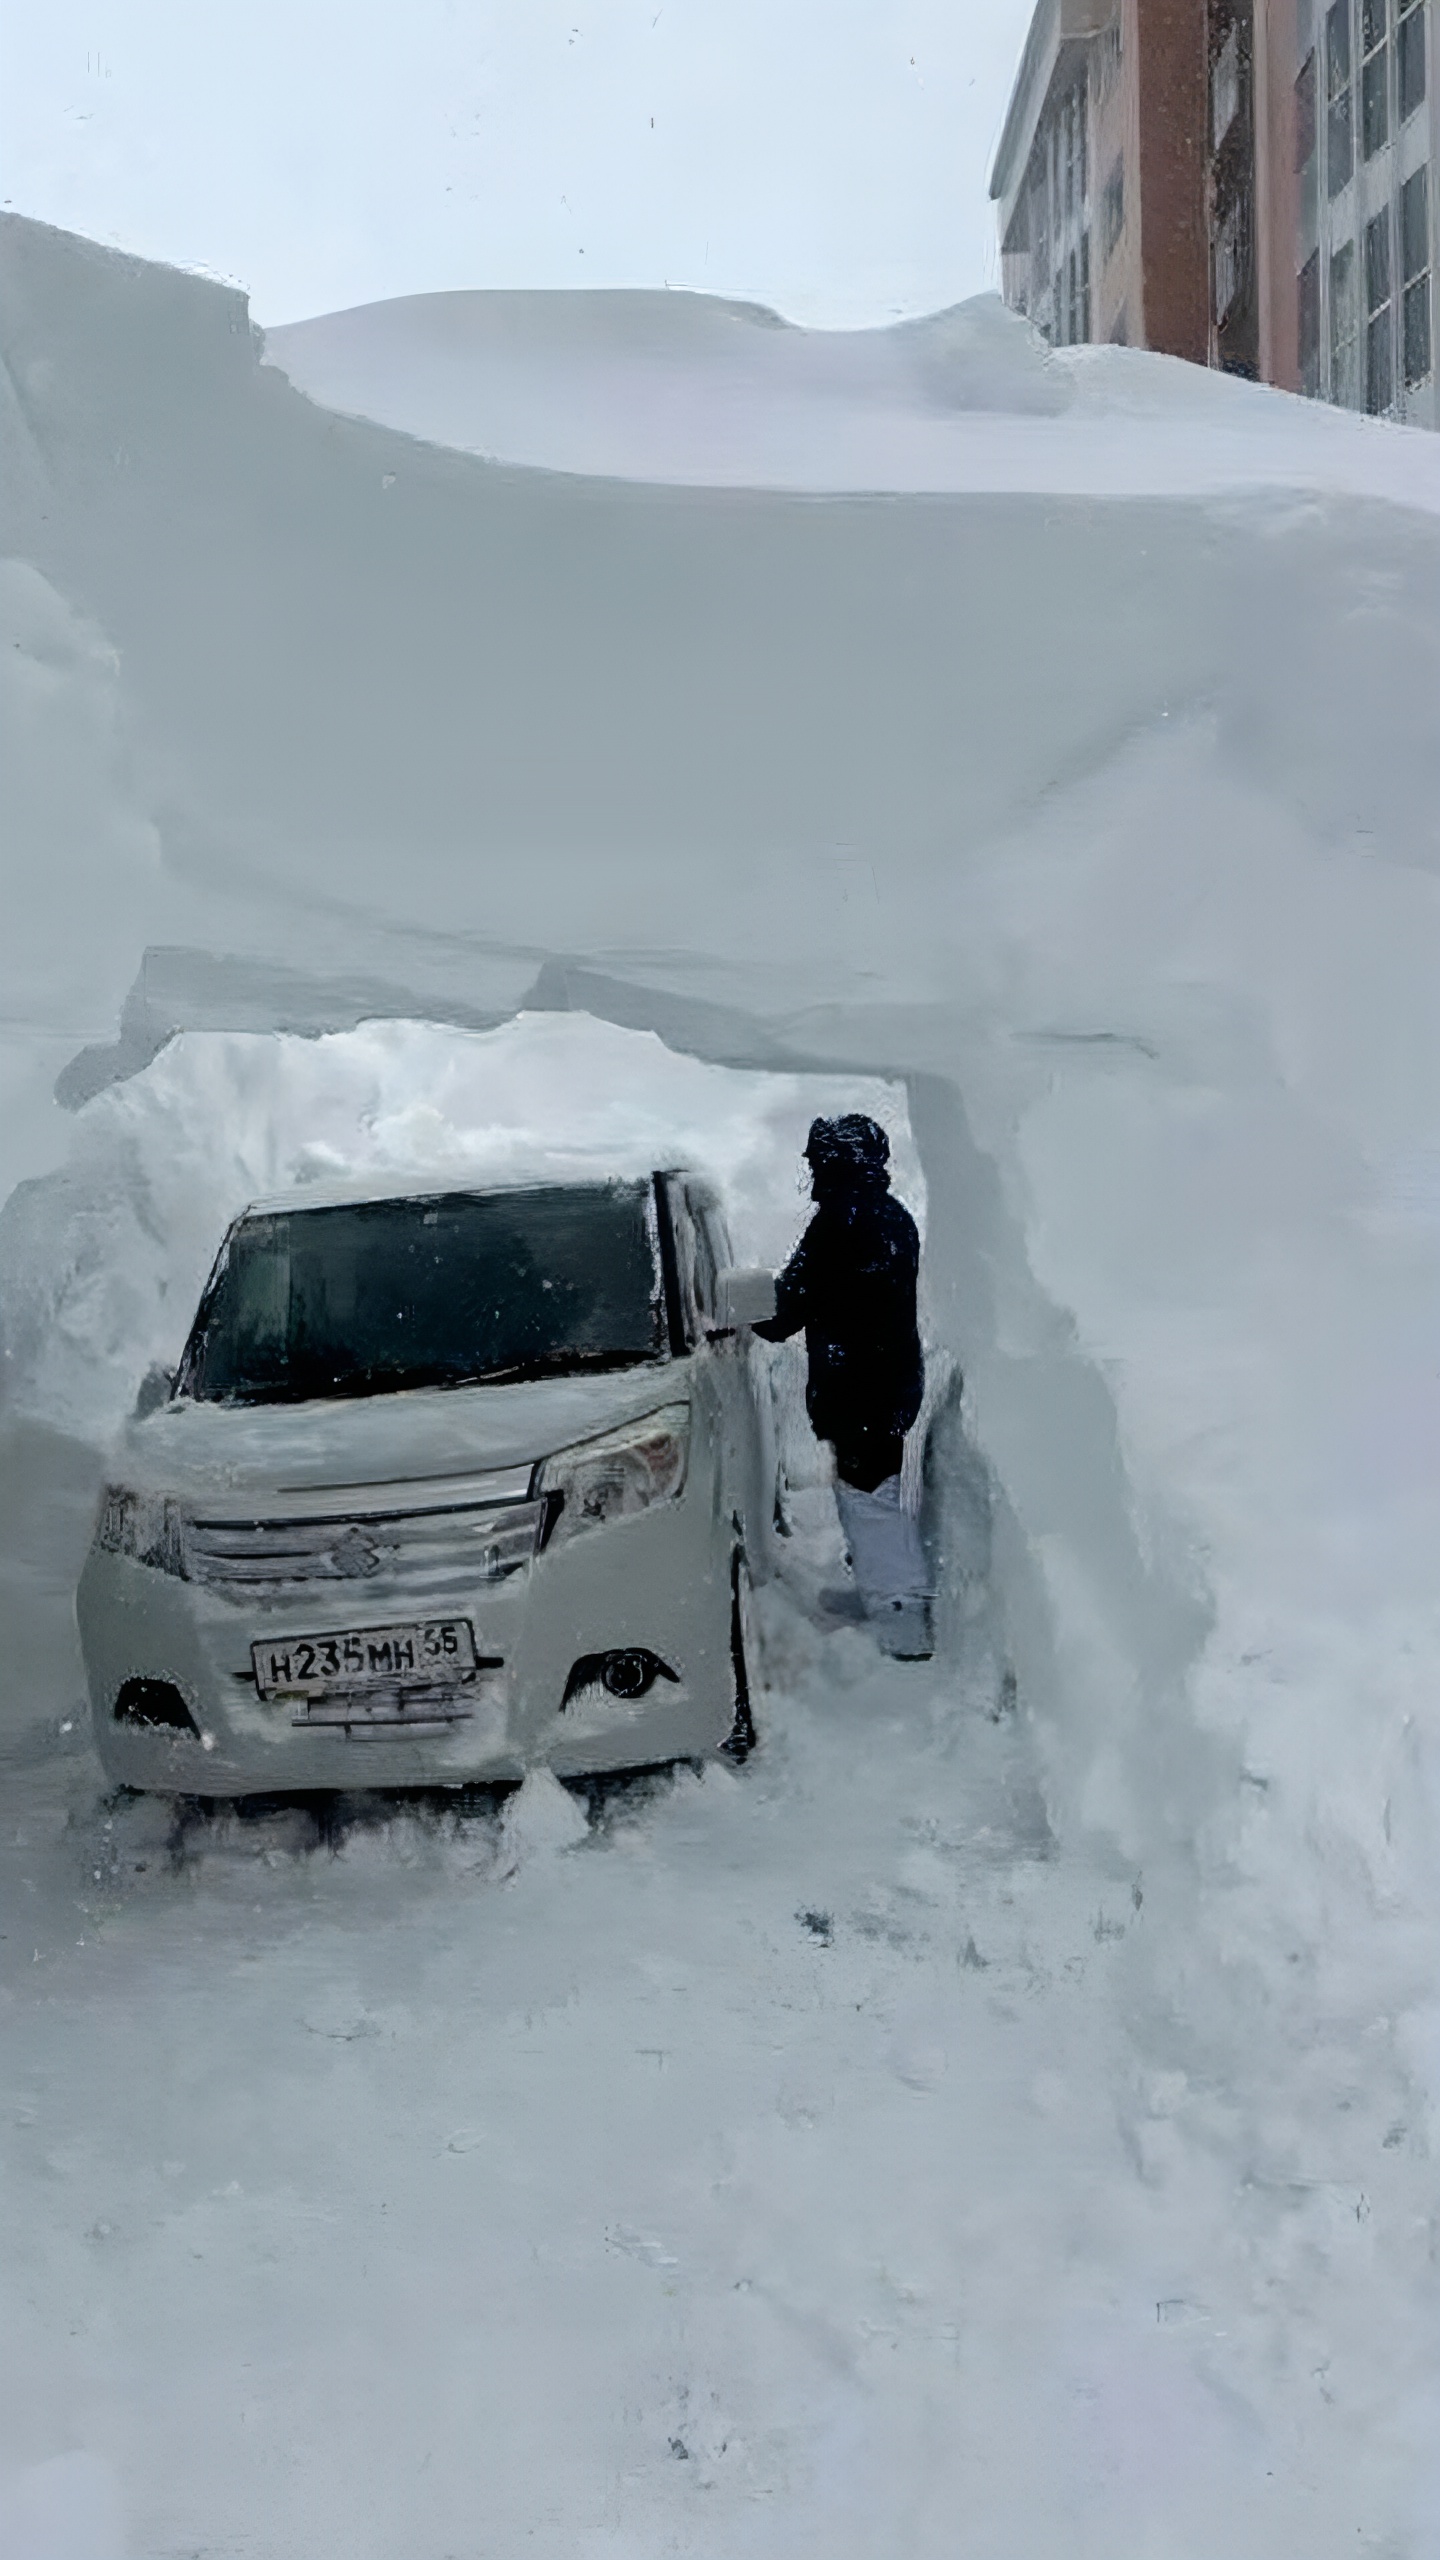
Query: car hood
[[217, 1451]]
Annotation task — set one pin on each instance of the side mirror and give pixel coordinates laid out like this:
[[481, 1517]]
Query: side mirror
[[743, 1297], [156, 1388]]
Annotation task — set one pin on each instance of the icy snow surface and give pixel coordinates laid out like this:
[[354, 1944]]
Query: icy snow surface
[[1003, 2118]]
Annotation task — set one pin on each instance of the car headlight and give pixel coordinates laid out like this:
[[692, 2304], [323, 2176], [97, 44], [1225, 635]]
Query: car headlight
[[147, 1526], [613, 1477]]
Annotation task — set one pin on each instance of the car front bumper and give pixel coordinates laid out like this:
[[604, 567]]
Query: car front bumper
[[659, 1581]]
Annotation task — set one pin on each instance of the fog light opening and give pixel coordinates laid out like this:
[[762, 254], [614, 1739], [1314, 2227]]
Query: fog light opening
[[628, 1671], [155, 1704]]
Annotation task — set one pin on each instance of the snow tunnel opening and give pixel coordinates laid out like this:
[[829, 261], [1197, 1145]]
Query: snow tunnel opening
[[103, 1261], [1044, 1582]]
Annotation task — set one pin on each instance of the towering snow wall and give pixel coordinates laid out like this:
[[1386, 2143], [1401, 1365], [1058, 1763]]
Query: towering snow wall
[[1079, 762]]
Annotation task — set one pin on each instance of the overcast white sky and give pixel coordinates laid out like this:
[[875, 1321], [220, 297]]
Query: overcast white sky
[[828, 157]]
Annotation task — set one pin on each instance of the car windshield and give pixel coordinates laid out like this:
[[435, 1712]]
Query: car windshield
[[378, 1295]]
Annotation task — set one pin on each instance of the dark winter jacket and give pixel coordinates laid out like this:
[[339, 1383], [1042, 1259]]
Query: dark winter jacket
[[851, 1284]]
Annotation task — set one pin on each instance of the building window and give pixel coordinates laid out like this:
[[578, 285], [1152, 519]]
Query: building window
[[1410, 50], [1339, 114], [1308, 297], [1112, 211], [1415, 276], [1225, 88], [1085, 288], [1344, 328], [1379, 329], [1305, 112], [1107, 58], [1037, 238], [1374, 77], [1229, 259], [1039, 241]]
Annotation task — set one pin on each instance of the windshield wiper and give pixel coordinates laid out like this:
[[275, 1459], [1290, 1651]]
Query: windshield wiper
[[373, 1382]]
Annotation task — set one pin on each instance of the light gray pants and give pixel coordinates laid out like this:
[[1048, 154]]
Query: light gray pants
[[886, 1555]]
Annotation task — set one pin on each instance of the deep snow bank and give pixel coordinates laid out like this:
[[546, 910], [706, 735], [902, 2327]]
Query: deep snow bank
[[1054, 804], [1110, 823], [685, 389]]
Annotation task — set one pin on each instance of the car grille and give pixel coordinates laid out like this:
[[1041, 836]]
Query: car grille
[[431, 1550]]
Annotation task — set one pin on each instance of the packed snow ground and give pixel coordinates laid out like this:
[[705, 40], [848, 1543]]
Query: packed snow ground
[[1090, 790], [704, 2179], [740, 2172]]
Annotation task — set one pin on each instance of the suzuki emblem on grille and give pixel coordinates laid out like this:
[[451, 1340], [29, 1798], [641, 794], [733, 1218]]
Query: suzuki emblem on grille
[[355, 1556]]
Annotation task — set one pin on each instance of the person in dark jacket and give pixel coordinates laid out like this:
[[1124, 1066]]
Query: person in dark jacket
[[851, 1284]]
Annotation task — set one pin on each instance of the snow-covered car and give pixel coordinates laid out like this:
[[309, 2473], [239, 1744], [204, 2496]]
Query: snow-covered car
[[449, 1483]]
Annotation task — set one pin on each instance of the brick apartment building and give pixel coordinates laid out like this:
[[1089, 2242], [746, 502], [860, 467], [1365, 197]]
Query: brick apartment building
[[1250, 184]]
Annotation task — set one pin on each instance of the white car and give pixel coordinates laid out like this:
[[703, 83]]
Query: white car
[[449, 1483]]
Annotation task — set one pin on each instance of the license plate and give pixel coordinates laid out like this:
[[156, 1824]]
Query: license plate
[[418, 1653]]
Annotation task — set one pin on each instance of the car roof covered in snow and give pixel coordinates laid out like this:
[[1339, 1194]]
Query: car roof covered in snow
[[342, 1190]]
